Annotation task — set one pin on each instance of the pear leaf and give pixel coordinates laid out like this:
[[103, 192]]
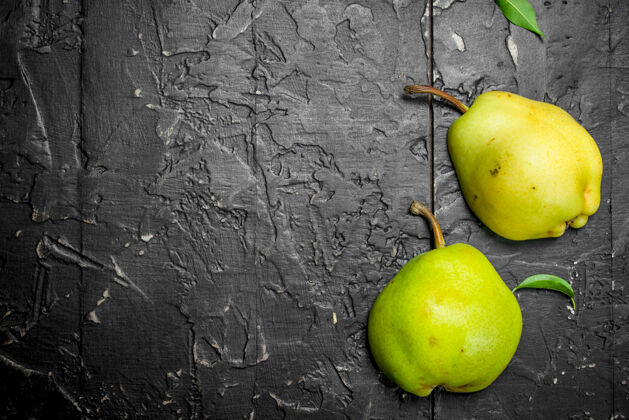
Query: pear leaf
[[549, 282], [521, 13]]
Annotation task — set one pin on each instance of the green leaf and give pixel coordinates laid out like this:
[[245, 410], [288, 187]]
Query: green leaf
[[521, 13], [550, 282]]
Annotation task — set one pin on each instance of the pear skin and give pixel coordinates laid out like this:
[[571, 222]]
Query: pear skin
[[527, 169], [446, 319]]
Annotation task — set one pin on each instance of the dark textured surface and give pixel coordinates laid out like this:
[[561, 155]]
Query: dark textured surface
[[566, 364], [200, 201]]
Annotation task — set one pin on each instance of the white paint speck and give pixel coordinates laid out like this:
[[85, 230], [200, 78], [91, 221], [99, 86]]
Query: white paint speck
[[458, 41], [513, 49], [92, 317], [127, 244], [394, 251], [137, 93], [555, 381], [167, 53], [591, 365], [204, 363], [140, 36], [334, 320], [265, 354], [18, 233], [118, 270], [104, 298], [147, 237]]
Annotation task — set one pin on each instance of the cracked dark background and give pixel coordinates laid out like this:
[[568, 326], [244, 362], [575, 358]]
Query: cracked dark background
[[200, 200]]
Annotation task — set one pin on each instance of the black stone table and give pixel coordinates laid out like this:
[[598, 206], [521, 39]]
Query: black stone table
[[200, 200]]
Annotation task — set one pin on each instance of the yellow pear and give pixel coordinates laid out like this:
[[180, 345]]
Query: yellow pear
[[446, 319], [527, 169]]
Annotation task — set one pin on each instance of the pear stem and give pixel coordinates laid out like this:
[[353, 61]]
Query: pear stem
[[418, 209], [410, 89]]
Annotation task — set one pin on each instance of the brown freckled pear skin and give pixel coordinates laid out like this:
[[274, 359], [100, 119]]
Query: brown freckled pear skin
[[527, 169], [446, 319]]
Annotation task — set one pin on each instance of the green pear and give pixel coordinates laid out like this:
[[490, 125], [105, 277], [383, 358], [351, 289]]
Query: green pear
[[527, 169], [446, 319]]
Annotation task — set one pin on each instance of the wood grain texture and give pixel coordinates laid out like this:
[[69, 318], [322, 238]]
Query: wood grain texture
[[619, 102], [200, 201]]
